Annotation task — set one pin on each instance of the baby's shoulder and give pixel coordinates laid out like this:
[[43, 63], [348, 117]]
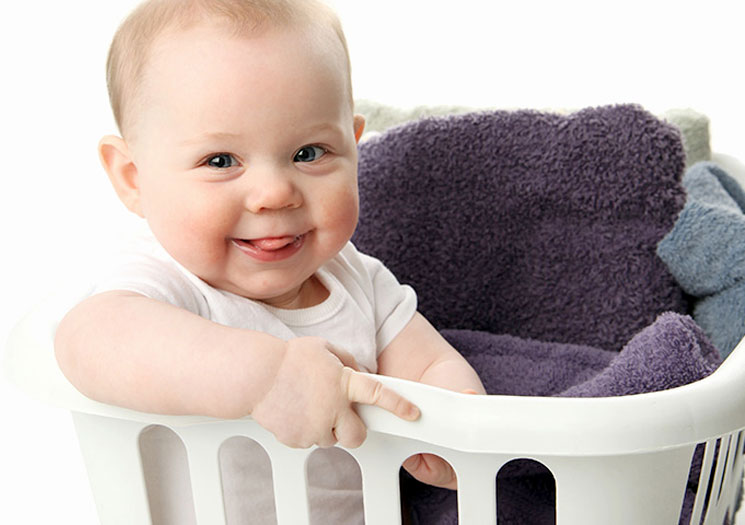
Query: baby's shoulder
[[142, 266], [352, 265]]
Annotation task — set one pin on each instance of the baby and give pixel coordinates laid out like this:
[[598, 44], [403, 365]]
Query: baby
[[239, 147]]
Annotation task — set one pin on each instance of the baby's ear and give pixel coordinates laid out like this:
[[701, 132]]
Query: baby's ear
[[116, 160], [359, 126]]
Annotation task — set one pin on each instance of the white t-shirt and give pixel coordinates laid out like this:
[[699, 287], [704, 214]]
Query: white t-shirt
[[365, 310]]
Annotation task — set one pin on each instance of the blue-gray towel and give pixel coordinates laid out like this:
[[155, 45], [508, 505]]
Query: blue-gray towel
[[705, 252]]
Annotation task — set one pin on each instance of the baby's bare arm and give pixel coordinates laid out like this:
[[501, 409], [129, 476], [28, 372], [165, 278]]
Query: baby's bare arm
[[420, 353], [125, 349], [128, 350]]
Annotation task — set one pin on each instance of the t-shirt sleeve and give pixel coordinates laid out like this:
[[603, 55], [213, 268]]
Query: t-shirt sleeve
[[154, 277], [394, 303]]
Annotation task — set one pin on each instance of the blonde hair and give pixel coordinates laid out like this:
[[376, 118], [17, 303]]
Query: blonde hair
[[130, 48]]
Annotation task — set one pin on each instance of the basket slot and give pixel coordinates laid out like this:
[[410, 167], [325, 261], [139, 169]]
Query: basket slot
[[239, 454], [338, 466], [166, 468], [535, 499]]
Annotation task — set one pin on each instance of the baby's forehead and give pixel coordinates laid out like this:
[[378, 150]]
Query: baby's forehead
[[212, 38], [173, 39], [174, 42], [203, 74]]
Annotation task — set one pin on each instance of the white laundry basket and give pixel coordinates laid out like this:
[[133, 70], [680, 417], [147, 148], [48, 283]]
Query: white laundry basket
[[622, 460]]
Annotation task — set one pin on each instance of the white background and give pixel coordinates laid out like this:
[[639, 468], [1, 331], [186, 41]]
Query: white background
[[57, 208]]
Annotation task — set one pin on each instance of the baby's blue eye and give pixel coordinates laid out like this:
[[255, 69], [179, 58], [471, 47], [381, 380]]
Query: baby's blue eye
[[309, 154], [221, 161]]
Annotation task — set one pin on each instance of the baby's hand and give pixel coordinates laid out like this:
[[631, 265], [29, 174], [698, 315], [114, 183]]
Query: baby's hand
[[432, 470], [310, 401]]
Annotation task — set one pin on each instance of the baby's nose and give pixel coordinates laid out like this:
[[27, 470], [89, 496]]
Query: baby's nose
[[272, 190]]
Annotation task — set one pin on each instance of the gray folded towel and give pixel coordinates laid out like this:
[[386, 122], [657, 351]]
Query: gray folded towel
[[705, 252]]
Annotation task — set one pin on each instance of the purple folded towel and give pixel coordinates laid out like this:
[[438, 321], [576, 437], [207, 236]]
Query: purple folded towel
[[533, 224], [673, 351]]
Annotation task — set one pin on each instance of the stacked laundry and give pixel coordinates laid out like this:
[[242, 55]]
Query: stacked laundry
[[559, 254]]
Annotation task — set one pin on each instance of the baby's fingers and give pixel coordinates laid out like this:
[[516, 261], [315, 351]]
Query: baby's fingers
[[364, 389]]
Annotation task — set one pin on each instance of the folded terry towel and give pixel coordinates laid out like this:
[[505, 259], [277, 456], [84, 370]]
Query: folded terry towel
[[538, 225], [512, 366], [705, 252], [671, 352]]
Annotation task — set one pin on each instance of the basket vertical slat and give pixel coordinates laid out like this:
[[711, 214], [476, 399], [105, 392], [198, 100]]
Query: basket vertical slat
[[477, 490], [202, 448], [736, 473], [380, 459], [715, 512], [703, 481], [111, 452], [290, 479]]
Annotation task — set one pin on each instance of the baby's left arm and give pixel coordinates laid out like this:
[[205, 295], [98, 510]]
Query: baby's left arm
[[420, 353]]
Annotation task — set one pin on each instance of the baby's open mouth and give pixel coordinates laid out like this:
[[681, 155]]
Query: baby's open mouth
[[271, 248], [271, 244]]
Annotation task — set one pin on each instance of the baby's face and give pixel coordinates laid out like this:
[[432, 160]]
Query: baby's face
[[246, 158]]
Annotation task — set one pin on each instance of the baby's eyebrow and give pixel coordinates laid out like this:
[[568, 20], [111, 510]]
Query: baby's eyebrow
[[222, 136], [210, 136], [324, 127]]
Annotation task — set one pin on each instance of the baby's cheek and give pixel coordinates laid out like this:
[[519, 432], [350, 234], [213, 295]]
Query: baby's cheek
[[344, 209], [193, 239]]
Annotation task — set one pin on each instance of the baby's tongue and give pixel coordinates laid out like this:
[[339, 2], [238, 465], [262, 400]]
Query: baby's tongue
[[272, 243]]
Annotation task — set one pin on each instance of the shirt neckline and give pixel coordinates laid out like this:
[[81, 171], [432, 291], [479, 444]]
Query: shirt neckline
[[312, 314]]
